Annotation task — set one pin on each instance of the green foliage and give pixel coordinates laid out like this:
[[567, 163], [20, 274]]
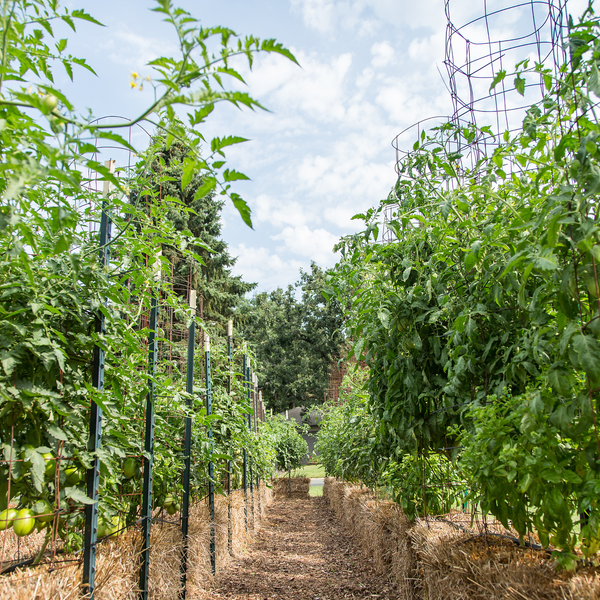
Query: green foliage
[[486, 306], [295, 341], [524, 467], [345, 442], [290, 447], [52, 287]]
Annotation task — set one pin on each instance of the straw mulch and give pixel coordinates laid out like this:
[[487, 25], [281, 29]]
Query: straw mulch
[[380, 530], [118, 558], [443, 560], [302, 552], [300, 487]]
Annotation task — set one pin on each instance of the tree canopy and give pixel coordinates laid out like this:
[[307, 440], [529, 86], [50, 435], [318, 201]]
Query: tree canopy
[[295, 341]]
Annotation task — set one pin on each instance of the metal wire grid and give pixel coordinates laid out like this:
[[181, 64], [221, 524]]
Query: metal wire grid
[[475, 51]]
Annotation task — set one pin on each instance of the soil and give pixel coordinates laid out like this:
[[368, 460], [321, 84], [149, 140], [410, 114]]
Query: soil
[[301, 553]]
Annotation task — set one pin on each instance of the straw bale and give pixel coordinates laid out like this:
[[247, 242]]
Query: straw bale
[[583, 586], [117, 566], [39, 584], [300, 487], [380, 530], [456, 565]]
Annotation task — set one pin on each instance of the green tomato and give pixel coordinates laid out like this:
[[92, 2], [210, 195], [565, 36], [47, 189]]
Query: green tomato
[[26, 463], [50, 469], [109, 526], [50, 101], [74, 476], [168, 501], [44, 512], [24, 522], [172, 509], [7, 517], [129, 468], [102, 529]]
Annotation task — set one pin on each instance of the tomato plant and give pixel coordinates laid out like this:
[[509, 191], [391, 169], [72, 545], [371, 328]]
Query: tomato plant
[[52, 287], [480, 320]]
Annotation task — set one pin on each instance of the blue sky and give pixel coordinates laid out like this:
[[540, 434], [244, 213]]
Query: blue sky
[[369, 69]]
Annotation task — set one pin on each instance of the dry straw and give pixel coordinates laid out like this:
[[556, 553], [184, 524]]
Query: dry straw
[[300, 487], [118, 558], [438, 559]]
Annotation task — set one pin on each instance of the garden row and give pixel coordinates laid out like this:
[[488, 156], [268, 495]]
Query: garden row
[[112, 419], [479, 322]]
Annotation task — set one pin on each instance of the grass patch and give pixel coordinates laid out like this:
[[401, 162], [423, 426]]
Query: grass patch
[[315, 490], [309, 471]]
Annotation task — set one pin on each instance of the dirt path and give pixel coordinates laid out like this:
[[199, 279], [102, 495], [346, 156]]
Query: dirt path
[[301, 553]]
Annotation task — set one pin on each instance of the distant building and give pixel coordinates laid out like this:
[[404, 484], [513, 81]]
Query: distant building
[[312, 419]]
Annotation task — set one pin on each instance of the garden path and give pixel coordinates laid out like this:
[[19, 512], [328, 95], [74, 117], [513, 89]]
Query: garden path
[[301, 553]]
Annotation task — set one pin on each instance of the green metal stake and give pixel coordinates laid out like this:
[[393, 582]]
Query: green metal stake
[[149, 452], [93, 475], [245, 453], [189, 388], [249, 380], [229, 462], [211, 484]]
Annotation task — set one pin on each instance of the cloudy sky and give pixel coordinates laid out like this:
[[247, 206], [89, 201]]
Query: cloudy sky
[[369, 69]]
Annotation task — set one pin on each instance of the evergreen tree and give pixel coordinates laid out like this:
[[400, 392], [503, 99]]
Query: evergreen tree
[[219, 290]]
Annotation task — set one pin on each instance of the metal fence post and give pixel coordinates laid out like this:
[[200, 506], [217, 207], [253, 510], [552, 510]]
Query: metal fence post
[[229, 462], [149, 451], [255, 409], [211, 483], [249, 380], [93, 475], [189, 388], [245, 452]]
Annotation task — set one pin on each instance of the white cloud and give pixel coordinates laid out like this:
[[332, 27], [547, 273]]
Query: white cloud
[[366, 17], [383, 54], [326, 16], [261, 265], [136, 50], [266, 209], [316, 244]]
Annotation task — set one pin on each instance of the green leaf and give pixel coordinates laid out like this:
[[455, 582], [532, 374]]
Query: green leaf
[[594, 79], [520, 85], [218, 144], [497, 79], [231, 175], [78, 495], [189, 168], [56, 432], [81, 14], [588, 354], [242, 208], [272, 45], [208, 185]]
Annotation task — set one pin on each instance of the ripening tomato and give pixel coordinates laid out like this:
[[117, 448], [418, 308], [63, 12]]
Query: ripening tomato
[[7, 517], [50, 101], [74, 476], [24, 522], [50, 465], [129, 468], [44, 512]]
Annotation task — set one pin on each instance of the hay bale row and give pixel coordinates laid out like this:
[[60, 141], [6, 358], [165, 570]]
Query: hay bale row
[[117, 564], [299, 487], [436, 560], [380, 529]]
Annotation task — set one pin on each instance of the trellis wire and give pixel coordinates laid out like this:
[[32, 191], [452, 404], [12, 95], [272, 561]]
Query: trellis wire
[[475, 51]]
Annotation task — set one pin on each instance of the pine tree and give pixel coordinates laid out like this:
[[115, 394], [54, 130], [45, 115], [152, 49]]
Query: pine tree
[[218, 290]]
